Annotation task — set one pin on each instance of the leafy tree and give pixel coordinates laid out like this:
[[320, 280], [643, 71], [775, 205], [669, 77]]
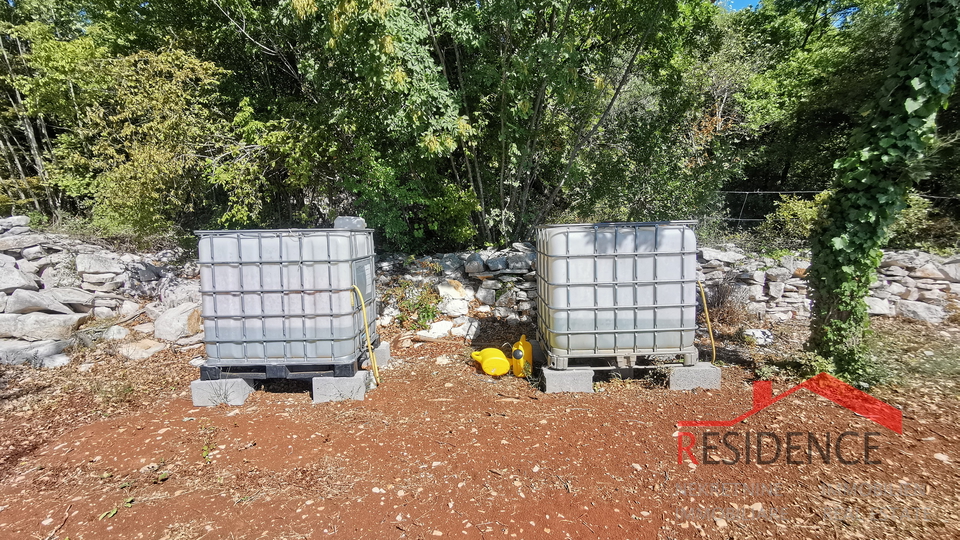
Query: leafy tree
[[875, 177], [135, 129]]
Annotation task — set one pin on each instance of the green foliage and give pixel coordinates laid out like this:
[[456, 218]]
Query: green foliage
[[813, 66], [794, 219], [806, 364], [418, 304], [874, 180], [790, 225], [441, 123]]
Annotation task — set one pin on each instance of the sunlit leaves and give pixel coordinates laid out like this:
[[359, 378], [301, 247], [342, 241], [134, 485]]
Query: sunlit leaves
[[873, 184]]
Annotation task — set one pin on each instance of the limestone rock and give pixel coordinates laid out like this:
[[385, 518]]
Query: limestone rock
[[894, 271], [99, 278], [55, 361], [497, 263], [8, 325], [15, 351], [921, 311], [929, 271], [467, 328], [896, 289], [33, 253], [910, 294], [24, 301], [951, 270], [877, 306], [88, 263], [452, 288], [144, 272], [437, 331], [491, 284], [145, 328], [775, 289], [103, 313], [729, 257], [141, 350], [71, 296], [474, 264], [17, 243], [779, 273], [154, 310], [179, 292], [115, 333], [934, 297], [518, 261], [61, 272], [44, 326], [451, 263], [28, 267], [101, 287], [752, 278], [487, 296], [454, 307], [181, 321], [14, 221], [128, 308], [12, 278], [191, 340]]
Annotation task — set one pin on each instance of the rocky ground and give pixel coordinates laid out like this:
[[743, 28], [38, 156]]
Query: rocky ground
[[442, 450]]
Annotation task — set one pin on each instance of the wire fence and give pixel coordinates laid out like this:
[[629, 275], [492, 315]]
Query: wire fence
[[746, 196]]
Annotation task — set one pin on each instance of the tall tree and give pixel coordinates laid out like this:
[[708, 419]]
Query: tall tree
[[875, 177]]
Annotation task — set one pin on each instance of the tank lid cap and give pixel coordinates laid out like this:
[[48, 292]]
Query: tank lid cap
[[349, 222]]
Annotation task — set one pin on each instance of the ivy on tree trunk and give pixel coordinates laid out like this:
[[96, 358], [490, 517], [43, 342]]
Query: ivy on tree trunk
[[874, 178]]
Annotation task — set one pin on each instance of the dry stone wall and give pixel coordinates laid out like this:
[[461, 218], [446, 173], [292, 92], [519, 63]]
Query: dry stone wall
[[51, 285], [911, 284]]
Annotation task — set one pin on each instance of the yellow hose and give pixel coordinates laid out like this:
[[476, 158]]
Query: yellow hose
[[706, 314], [366, 330]]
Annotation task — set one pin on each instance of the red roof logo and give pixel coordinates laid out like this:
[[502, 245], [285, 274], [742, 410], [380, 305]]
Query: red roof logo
[[825, 385]]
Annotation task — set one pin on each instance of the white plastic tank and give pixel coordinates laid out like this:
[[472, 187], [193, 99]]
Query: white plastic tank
[[286, 296], [616, 289]]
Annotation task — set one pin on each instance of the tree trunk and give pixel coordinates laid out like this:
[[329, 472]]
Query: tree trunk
[[874, 180]]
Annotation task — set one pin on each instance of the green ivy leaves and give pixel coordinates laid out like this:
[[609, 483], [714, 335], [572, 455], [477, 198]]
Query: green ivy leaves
[[872, 185]]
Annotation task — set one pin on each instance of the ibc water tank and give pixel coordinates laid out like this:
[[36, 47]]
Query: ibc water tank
[[616, 289], [286, 297]]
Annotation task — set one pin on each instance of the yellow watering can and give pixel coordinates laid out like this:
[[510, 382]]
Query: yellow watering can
[[522, 357], [493, 361]]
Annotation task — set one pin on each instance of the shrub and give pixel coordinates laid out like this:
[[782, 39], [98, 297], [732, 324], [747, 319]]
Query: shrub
[[917, 226], [790, 225]]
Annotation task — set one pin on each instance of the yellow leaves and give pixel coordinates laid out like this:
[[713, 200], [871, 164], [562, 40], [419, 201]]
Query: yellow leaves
[[431, 143], [380, 7], [304, 8], [599, 82], [448, 143], [340, 17], [523, 107], [464, 129], [436, 145], [399, 78], [387, 43]]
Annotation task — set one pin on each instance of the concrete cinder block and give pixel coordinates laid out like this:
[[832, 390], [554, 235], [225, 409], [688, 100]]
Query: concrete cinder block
[[575, 379], [342, 388], [383, 355], [213, 393], [700, 375]]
